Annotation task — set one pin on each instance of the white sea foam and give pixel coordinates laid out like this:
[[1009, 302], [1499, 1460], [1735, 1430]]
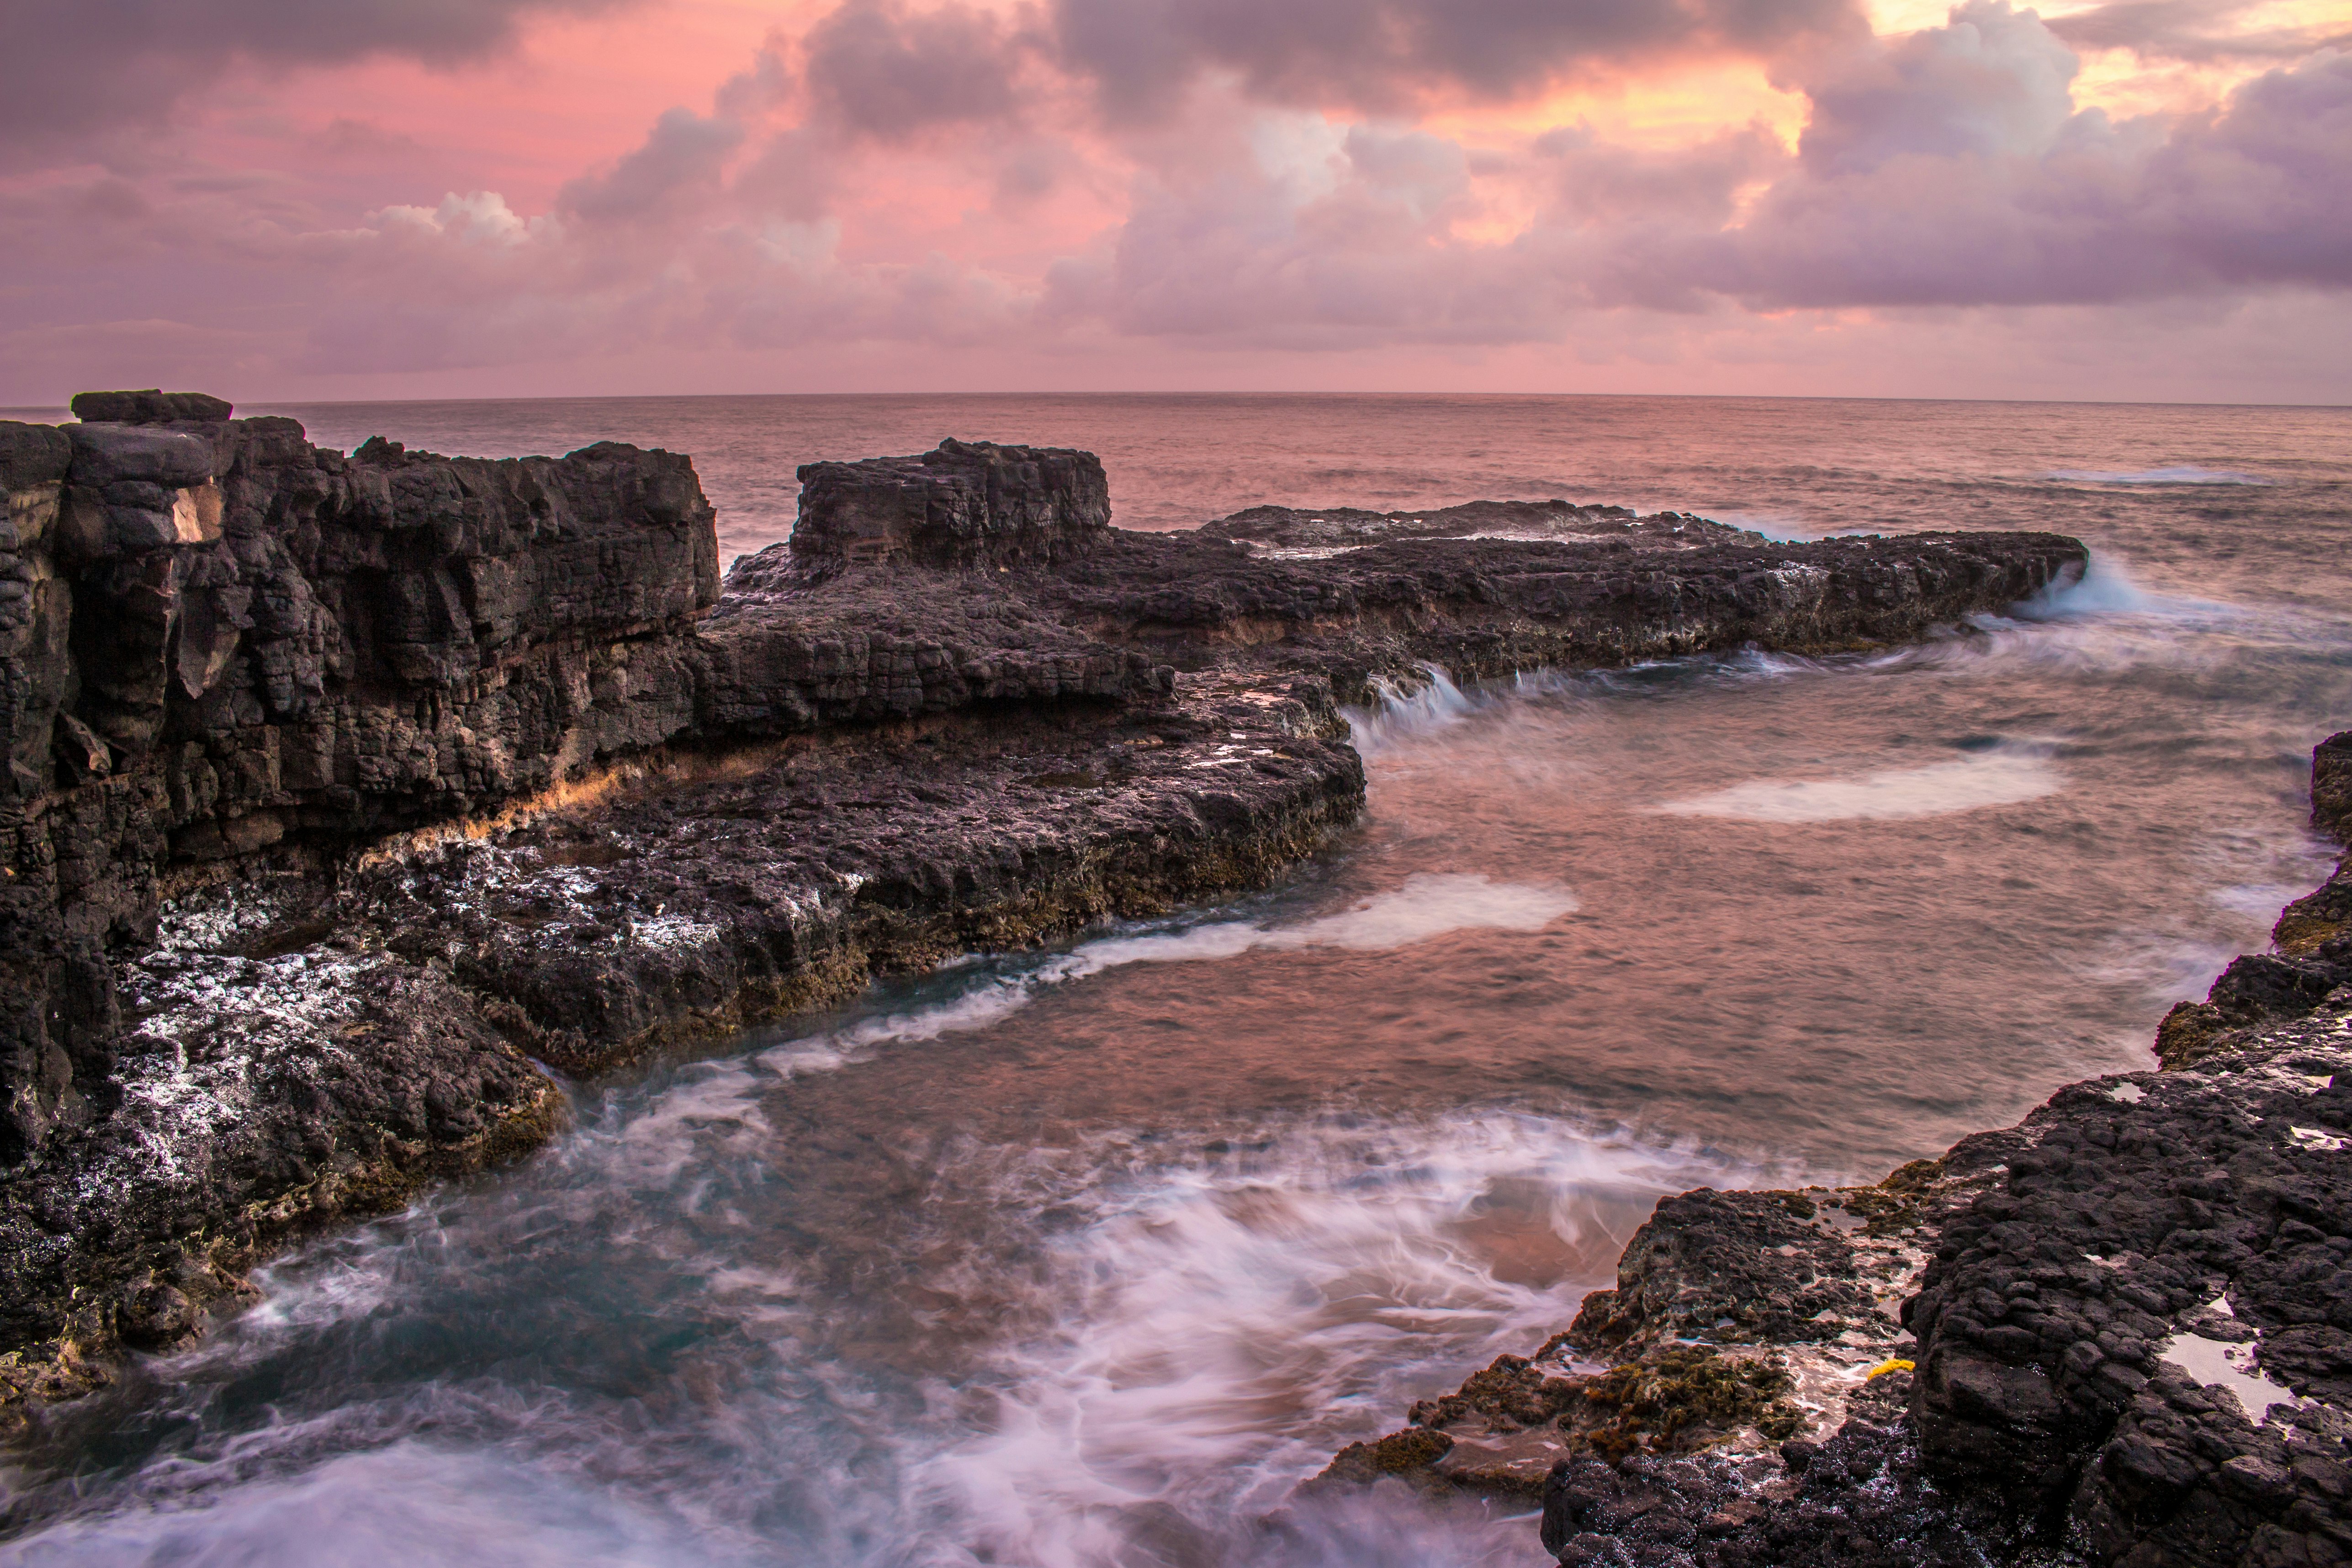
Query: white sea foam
[[409, 1501], [2176, 474], [1969, 783], [1204, 1325], [1428, 905], [1401, 715], [1218, 1327]]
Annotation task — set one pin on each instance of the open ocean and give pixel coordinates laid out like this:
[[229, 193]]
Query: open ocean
[[1088, 1256]]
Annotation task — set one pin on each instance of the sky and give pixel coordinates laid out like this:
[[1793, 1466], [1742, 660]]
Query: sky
[[279, 200]]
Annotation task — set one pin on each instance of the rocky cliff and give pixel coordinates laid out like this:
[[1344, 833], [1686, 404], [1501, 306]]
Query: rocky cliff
[[351, 797], [218, 641]]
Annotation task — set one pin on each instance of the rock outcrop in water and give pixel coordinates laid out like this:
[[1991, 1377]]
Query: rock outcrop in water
[[345, 792], [2125, 1326]]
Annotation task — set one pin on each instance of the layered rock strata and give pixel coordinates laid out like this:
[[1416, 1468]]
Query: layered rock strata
[[2118, 1332], [356, 801]]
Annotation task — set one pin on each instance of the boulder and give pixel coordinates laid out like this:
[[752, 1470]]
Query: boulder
[[968, 505], [151, 407]]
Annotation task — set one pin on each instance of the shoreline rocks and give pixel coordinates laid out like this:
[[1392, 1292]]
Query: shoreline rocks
[[355, 802], [2125, 1328]]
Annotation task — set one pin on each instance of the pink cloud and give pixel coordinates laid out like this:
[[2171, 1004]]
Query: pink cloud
[[1178, 192]]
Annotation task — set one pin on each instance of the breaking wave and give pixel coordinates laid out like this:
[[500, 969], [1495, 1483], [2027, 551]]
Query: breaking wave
[[2178, 474]]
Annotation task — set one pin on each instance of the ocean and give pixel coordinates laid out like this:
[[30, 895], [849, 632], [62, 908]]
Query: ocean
[[1088, 1256]]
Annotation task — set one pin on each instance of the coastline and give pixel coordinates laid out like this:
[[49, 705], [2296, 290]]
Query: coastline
[[401, 784], [2043, 1346]]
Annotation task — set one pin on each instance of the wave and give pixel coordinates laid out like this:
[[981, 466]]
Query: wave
[[1400, 714], [2001, 776], [1179, 1329], [1220, 1325], [2178, 474], [980, 995]]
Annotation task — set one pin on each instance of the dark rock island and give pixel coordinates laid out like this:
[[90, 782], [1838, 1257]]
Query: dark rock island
[[348, 797]]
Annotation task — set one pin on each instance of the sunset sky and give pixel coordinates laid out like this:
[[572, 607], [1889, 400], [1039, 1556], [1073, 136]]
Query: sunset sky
[[417, 198]]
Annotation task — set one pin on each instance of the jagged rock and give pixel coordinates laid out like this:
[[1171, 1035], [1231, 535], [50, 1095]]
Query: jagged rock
[[2313, 934], [968, 504], [2331, 785], [1490, 607], [151, 407], [697, 907], [2210, 1201], [1731, 1268]]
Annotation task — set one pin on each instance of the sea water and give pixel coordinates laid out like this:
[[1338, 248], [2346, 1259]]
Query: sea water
[[1088, 1256]]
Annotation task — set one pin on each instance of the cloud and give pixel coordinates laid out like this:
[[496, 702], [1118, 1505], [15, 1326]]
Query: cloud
[[681, 160], [881, 70], [1385, 55], [2196, 31], [1994, 200], [934, 179], [1993, 81], [1946, 168], [86, 68]]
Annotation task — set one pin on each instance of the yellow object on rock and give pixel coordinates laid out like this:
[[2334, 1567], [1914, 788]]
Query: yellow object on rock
[[1886, 1366]]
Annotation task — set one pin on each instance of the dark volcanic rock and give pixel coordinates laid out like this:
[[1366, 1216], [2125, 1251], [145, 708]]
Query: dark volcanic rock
[[1858, 1499], [1351, 528], [1487, 607], [694, 908], [1733, 1269], [221, 641], [151, 407], [2058, 1321], [2314, 937], [343, 789], [255, 1098], [967, 504]]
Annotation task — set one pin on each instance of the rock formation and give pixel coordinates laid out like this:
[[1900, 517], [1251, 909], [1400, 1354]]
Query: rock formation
[[344, 791]]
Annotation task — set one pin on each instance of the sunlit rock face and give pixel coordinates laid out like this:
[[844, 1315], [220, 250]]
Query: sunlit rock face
[[217, 638]]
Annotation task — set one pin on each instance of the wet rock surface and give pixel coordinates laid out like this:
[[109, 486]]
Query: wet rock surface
[[2126, 1331], [1326, 528], [352, 800], [1490, 607]]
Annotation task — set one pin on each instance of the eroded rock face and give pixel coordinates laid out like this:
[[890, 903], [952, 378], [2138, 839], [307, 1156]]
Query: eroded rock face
[[151, 407], [1491, 606], [219, 640], [1731, 1268], [968, 504], [2312, 940], [2056, 1324]]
